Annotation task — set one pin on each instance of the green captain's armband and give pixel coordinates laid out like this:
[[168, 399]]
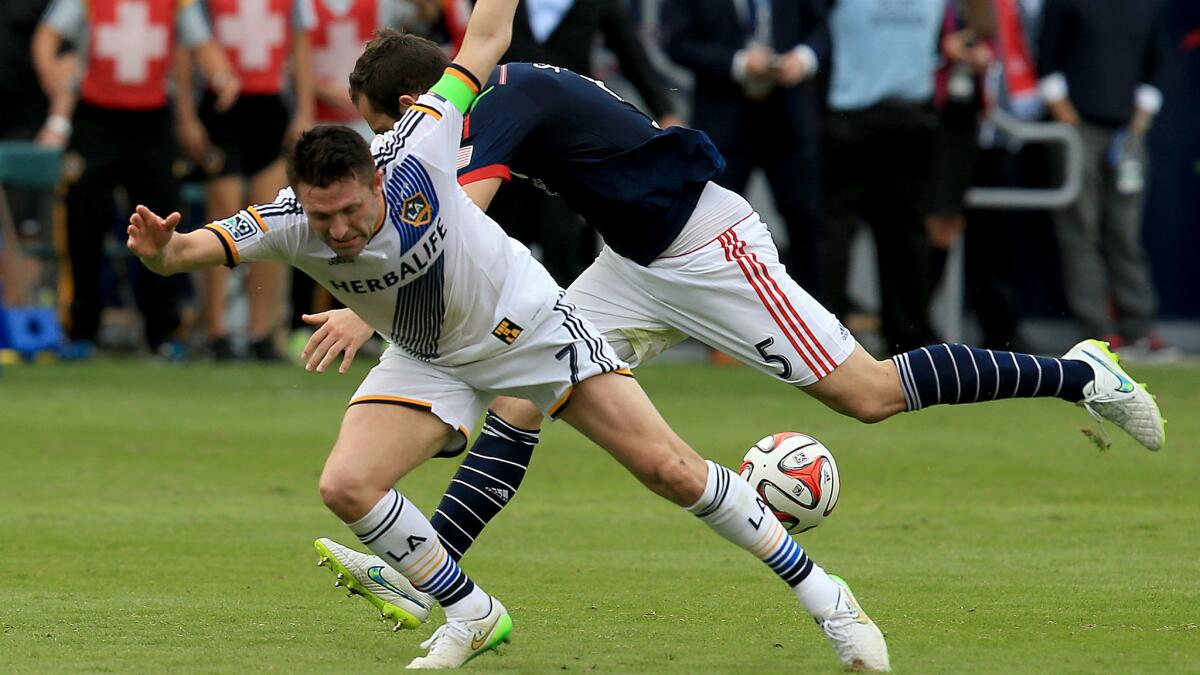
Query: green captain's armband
[[457, 86]]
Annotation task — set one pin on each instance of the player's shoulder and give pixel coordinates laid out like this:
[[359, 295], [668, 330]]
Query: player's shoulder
[[284, 211], [389, 146]]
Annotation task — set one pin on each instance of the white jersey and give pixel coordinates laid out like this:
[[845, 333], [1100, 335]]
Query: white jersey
[[438, 278]]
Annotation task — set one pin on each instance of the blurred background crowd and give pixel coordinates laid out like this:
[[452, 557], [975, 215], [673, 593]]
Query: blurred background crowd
[[1012, 172]]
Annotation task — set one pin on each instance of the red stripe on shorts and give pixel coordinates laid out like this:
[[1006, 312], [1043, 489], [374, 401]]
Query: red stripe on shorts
[[778, 305], [735, 252], [828, 361]]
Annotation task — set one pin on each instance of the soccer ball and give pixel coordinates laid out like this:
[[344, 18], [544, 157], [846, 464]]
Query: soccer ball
[[797, 478]]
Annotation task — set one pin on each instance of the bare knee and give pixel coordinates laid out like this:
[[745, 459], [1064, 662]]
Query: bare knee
[[517, 412], [869, 411], [679, 477], [348, 495], [863, 388]]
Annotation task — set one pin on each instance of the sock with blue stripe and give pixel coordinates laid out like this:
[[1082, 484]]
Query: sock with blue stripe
[[398, 532], [960, 374], [485, 482], [730, 506]]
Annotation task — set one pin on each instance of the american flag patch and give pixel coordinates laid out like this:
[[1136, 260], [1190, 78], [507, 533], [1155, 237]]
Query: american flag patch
[[464, 156]]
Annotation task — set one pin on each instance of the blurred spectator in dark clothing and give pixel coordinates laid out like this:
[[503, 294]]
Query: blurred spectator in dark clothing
[[754, 61], [1101, 62], [123, 134], [876, 147], [986, 62], [563, 33], [21, 118], [25, 106]]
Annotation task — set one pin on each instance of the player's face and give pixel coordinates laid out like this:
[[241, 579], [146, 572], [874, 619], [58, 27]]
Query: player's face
[[344, 213], [379, 122]]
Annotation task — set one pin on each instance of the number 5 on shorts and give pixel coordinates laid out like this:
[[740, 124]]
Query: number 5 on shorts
[[785, 366]]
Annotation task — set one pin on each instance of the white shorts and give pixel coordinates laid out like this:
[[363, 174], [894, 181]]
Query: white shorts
[[731, 293], [542, 365]]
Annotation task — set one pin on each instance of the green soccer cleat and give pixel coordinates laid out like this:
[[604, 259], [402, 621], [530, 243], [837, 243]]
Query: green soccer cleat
[[382, 586], [1115, 397]]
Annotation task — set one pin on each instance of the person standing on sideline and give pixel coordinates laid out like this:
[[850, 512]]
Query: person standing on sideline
[[123, 135], [246, 144], [1101, 64], [878, 135], [754, 62]]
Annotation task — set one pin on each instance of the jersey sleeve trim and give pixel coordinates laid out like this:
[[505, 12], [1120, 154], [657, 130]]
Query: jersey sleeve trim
[[261, 222], [485, 172], [457, 86], [231, 253], [427, 110]]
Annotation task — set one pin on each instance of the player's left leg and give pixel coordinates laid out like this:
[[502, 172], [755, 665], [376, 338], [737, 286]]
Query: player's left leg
[[615, 413], [735, 295]]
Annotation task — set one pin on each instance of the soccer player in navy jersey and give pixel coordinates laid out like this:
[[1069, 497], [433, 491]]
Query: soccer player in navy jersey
[[684, 257]]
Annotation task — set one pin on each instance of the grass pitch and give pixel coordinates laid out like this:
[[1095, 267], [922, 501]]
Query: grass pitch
[[161, 520]]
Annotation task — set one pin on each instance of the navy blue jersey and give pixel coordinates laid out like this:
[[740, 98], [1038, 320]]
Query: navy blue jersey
[[635, 183]]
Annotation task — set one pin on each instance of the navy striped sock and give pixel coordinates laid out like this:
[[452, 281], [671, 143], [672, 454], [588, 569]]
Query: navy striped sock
[[960, 374], [485, 482]]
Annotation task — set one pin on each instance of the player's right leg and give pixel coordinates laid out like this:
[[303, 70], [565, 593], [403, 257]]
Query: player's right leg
[[615, 413], [404, 413]]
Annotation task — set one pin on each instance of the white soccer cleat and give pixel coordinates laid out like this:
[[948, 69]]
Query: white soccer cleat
[[456, 642], [1114, 396], [382, 586], [855, 637]]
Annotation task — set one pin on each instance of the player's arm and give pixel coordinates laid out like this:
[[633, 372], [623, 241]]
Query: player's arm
[[489, 33], [154, 240], [483, 191]]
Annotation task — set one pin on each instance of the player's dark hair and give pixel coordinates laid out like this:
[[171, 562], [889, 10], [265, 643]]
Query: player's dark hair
[[330, 153], [395, 64]]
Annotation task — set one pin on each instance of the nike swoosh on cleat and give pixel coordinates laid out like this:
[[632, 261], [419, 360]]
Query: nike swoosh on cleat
[[478, 641], [1126, 384], [376, 575]]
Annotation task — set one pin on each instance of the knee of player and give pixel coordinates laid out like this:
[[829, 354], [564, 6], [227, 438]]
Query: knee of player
[[517, 412], [679, 478], [347, 496], [869, 411]]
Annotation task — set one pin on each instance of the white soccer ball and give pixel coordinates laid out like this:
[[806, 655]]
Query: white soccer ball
[[797, 478]]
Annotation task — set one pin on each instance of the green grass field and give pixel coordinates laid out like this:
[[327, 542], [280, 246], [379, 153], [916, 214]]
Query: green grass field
[[161, 520]]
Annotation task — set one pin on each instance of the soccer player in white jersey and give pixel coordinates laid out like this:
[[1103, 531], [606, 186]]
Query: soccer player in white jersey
[[471, 315]]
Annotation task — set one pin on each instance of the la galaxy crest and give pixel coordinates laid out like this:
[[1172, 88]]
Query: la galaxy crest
[[416, 210]]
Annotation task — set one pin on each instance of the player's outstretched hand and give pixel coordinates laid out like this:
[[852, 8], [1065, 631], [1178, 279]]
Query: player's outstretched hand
[[339, 331], [149, 233]]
